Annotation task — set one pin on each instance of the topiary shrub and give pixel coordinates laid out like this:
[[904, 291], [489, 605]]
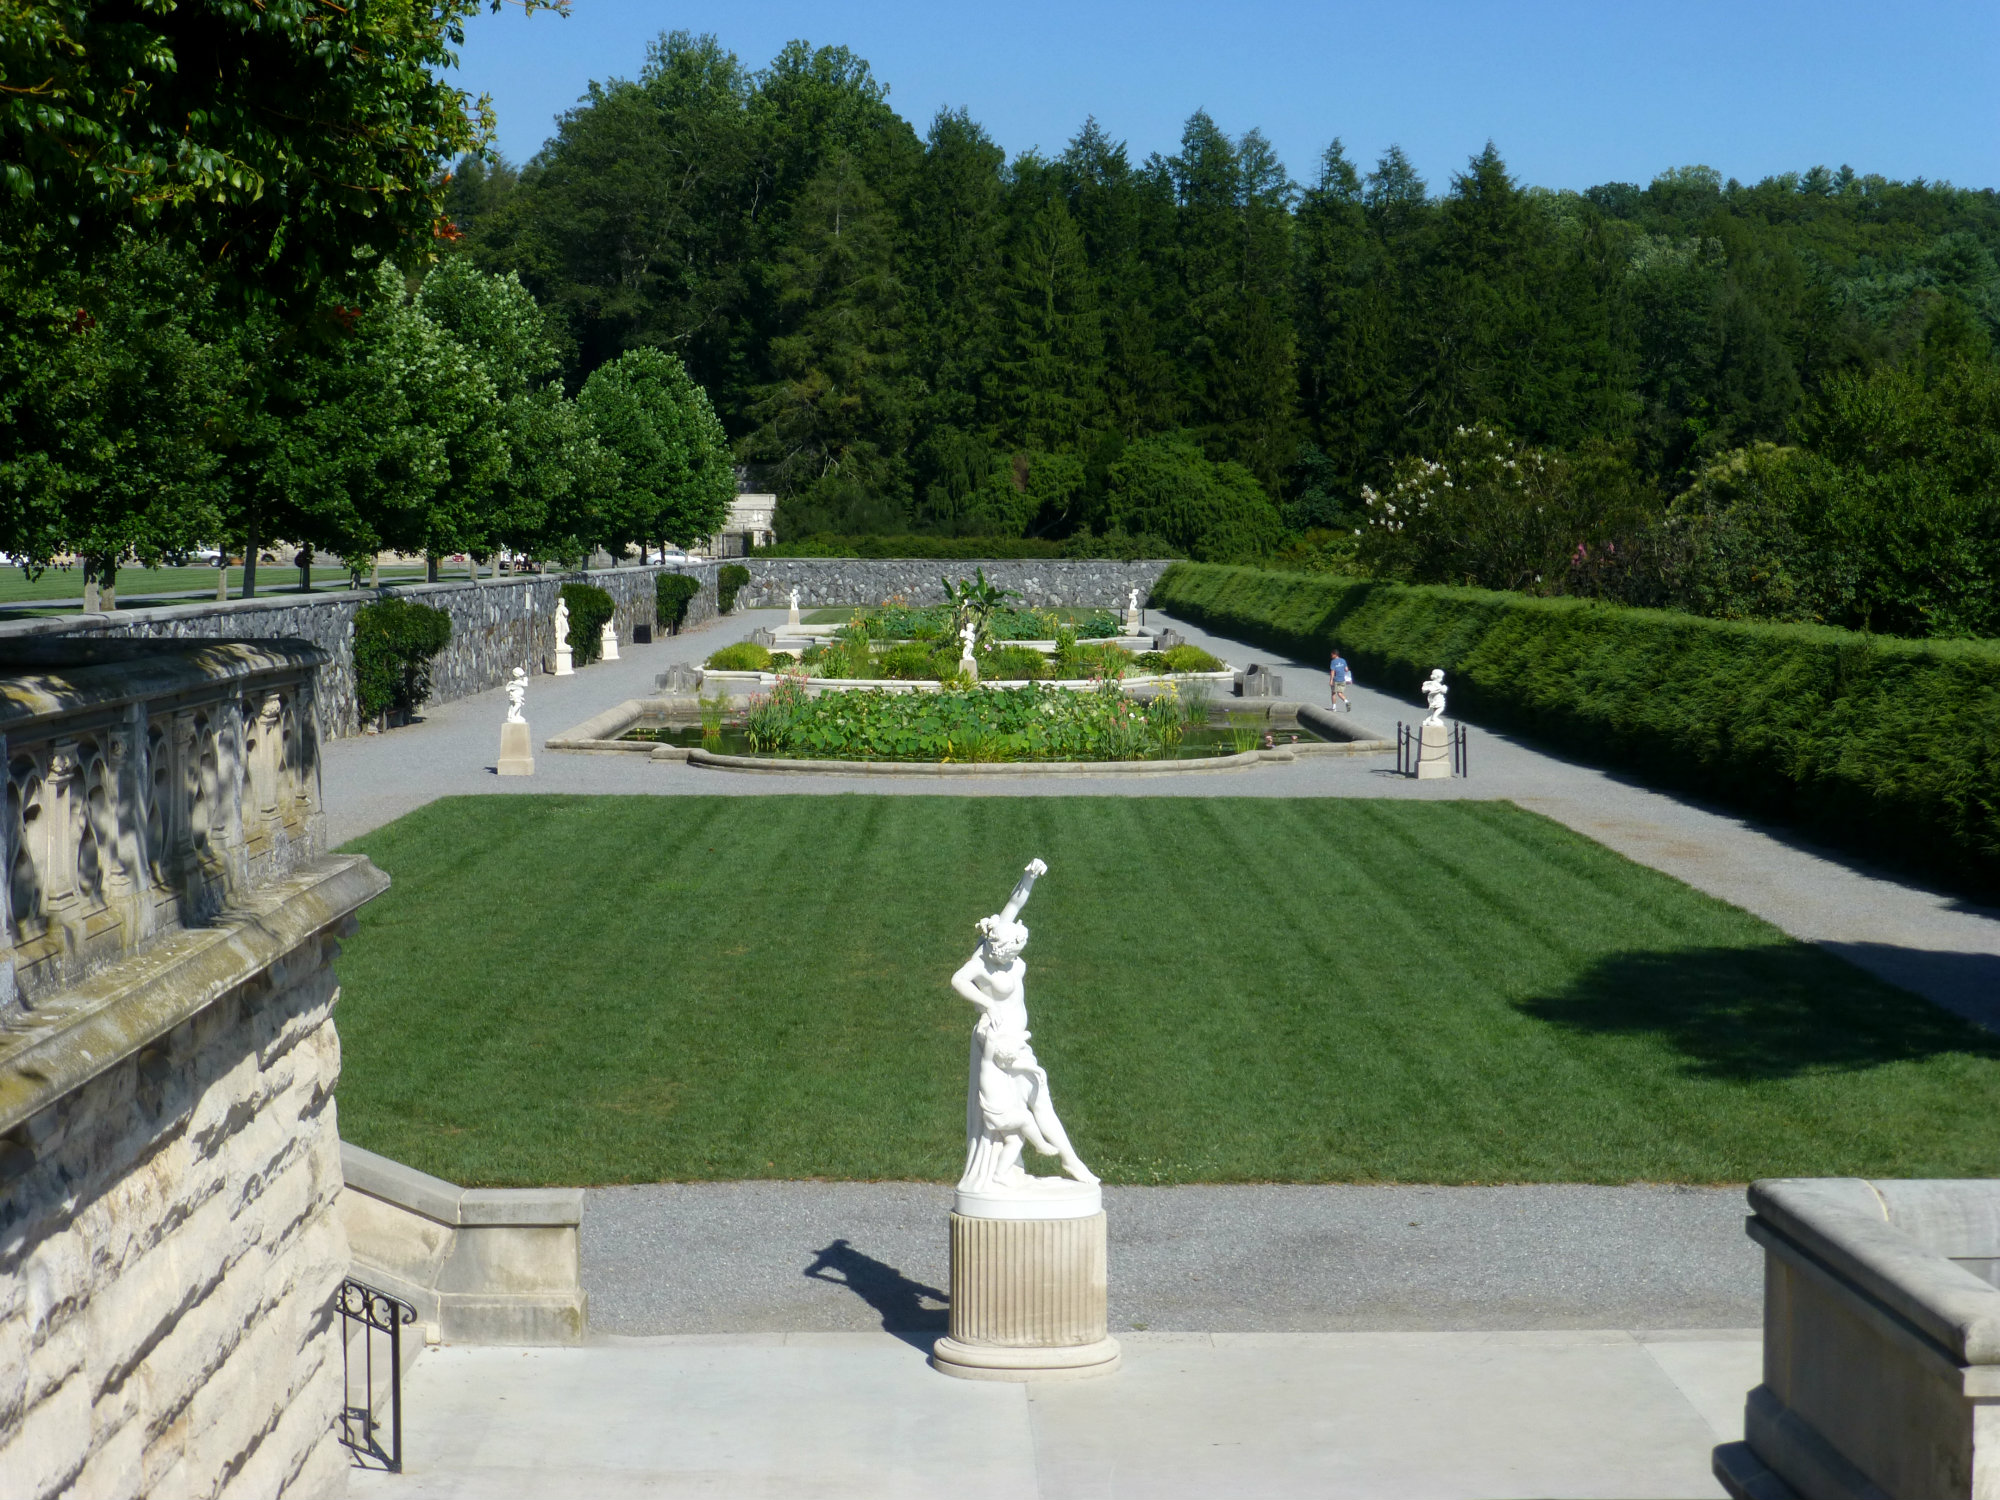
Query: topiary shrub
[[744, 656], [589, 608], [394, 642], [672, 594], [728, 579]]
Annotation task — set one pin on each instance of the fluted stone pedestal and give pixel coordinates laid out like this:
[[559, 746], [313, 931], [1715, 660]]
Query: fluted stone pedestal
[[1434, 753], [1028, 1295], [517, 751]]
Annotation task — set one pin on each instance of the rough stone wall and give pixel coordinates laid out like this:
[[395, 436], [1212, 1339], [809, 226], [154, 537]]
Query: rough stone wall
[[496, 625], [169, 1255], [1042, 582]]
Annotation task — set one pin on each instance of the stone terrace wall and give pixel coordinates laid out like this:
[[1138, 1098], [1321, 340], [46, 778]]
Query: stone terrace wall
[[1042, 582], [168, 1262], [496, 625]]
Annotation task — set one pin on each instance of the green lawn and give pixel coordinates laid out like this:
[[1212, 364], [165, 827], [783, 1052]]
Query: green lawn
[[134, 583], [617, 989]]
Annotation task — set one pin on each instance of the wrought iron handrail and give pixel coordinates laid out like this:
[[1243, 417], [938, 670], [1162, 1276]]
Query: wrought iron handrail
[[374, 1311]]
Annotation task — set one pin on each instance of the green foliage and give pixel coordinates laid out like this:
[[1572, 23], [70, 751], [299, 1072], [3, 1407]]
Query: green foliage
[[728, 579], [743, 656], [1213, 512], [394, 643], [1885, 745], [590, 609], [912, 661], [963, 724], [1182, 658], [677, 479], [967, 548], [1012, 664], [672, 593]]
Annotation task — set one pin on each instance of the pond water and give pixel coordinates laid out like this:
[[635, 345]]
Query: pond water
[[1197, 744]]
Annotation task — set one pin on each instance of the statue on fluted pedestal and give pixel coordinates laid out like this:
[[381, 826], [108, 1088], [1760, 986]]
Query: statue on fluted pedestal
[[1132, 613], [792, 620], [1007, 1104]]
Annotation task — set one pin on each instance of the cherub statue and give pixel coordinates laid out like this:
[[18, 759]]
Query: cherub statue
[[1007, 1095], [1132, 603], [517, 695], [969, 635], [1433, 689], [795, 601]]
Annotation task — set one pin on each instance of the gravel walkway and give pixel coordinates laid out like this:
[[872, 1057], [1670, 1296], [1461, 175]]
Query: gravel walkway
[[747, 1257]]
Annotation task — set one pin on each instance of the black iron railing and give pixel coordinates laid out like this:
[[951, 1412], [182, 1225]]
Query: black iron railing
[[365, 1315]]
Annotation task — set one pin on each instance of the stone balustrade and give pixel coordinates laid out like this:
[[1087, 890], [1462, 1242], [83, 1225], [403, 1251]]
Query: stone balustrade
[[169, 1157]]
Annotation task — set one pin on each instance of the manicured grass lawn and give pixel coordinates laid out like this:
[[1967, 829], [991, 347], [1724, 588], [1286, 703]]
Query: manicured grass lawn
[[134, 583], [606, 989]]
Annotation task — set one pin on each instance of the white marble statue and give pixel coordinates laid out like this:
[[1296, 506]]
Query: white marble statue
[[608, 640], [1007, 1101], [1132, 611], [792, 620], [966, 664], [1433, 689], [565, 660], [517, 695]]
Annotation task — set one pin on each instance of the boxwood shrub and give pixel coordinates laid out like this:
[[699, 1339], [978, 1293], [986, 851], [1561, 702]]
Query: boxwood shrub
[[728, 579], [394, 643], [744, 656], [589, 608], [672, 593], [1876, 743]]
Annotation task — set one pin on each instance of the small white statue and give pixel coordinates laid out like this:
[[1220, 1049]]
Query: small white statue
[[1132, 611], [1433, 689], [792, 619], [1007, 1101], [965, 662], [517, 695], [565, 660], [609, 642]]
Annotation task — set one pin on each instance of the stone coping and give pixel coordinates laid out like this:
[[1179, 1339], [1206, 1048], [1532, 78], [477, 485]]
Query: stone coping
[[448, 1203], [761, 681], [65, 677], [84, 1029], [1850, 1226]]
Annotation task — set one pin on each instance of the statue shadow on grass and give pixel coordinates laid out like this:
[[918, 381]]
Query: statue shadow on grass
[[1748, 1014], [897, 1299]]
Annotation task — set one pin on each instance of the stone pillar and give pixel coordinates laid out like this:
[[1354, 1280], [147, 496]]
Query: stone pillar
[[1028, 1297], [1434, 753]]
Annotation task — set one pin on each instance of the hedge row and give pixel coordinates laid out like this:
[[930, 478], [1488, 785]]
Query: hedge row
[[1880, 744], [960, 548]]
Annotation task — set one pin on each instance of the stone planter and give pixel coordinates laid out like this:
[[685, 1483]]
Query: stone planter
[[1881, 1343]]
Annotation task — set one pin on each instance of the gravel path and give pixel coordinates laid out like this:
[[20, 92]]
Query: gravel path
[[792, 1256]]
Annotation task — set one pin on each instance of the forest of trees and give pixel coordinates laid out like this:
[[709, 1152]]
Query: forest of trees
[[912, 333]]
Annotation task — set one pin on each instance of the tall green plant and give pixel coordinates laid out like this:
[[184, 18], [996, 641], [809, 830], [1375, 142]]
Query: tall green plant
[[395, 641]]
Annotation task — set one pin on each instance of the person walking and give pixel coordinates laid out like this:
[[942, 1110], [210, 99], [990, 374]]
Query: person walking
[[1339, 675]]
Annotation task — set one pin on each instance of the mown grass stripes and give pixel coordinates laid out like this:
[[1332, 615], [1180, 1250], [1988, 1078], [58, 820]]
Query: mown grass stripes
[[599, 989]]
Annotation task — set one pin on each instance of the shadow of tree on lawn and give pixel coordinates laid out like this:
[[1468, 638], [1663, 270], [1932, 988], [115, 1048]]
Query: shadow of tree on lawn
[[898, 1299], [1749, 1014]]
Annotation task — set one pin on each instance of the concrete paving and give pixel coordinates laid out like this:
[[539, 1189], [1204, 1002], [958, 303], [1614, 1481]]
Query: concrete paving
[[739, 1257], [1593, 1414], [1938, 946]]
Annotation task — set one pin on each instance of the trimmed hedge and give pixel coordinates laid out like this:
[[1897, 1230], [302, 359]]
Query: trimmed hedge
[[394, 642], [1877, 743], [589, 608], [672, 593], [728, 579], [957, 548]]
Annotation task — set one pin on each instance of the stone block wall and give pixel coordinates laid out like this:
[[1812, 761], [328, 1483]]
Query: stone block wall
[[168, 1263], [496, 625], [825, 582]]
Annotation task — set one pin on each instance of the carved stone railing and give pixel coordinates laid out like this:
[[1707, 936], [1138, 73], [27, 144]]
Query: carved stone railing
[[147, 784]]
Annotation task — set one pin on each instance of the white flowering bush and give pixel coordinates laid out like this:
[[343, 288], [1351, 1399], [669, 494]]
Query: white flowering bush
[[1493, 513]]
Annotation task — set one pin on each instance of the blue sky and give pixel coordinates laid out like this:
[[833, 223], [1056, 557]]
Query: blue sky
[[1573, 94]]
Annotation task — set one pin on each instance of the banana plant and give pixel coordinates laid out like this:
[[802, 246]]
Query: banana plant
[[973, 602]]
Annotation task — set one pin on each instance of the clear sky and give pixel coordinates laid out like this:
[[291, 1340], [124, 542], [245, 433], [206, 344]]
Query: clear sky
[[1573, 94]]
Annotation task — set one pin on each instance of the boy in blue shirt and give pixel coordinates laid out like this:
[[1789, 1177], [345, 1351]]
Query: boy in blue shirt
[[1339, 675]]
